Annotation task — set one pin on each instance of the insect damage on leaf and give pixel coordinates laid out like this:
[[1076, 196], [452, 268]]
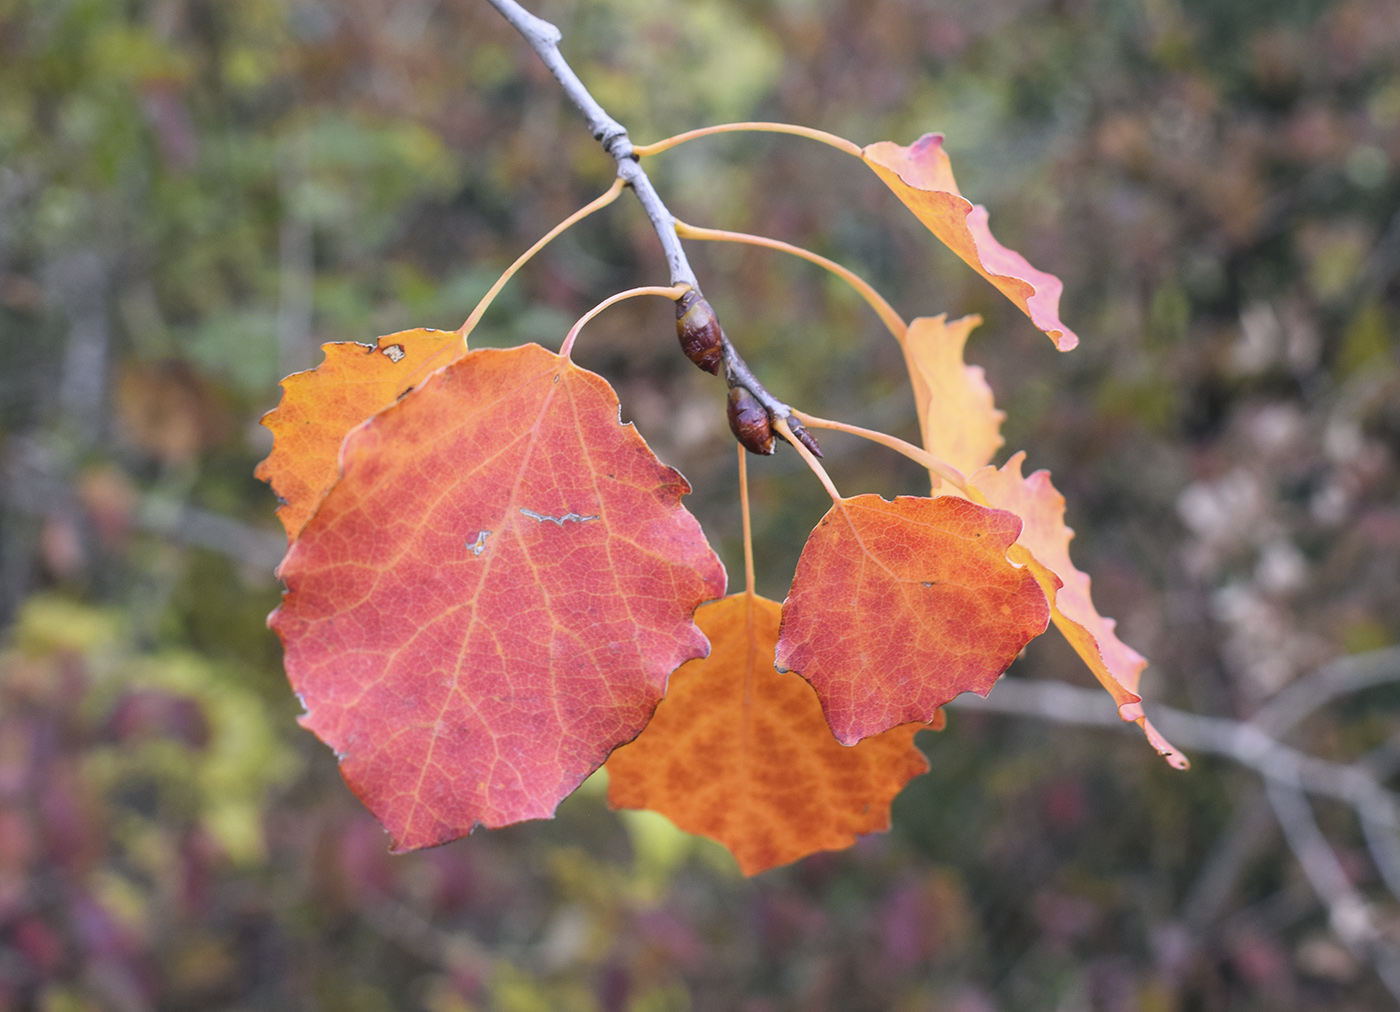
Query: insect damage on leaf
[[880, 652], [740, 752], [542, 518], [481, 687], [922, 177], [319, 406]]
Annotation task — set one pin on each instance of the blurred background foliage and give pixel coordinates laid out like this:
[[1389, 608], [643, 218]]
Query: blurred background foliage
[[195, 194]]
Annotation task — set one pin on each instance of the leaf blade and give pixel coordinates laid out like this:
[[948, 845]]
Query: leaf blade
[[953, 612], [1044, 546], [958, 417], [319, 406], [741, 753], [922, 177], [473, 622]]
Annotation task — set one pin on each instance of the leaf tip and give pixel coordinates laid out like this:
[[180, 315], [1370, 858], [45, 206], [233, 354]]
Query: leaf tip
[[928, 142]]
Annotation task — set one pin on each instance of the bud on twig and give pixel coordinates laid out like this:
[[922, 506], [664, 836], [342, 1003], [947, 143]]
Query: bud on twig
[[698, 331], [749, 422]]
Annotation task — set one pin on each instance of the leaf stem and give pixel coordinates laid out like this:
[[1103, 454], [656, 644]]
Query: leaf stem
[[942, 468], [673, 292], [748, 524], [781, 424], [840, 143], [891, 319], [520, 261]]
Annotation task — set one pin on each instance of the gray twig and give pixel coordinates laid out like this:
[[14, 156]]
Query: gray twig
[[34, 483], [544, 39], [1250, 828], [1287, 772], [1340, 677]]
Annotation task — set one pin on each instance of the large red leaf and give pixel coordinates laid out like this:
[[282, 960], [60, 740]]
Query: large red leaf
[[899, 606], [1045, 539], [319, 406], [922, 177], [491, 597], [740, 752]]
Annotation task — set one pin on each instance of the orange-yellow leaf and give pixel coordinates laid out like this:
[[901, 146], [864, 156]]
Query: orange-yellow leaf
[[491, 597], [1044, 547], [319, 406], [740, 752], [922, 177], [958, 418], [899, 606]]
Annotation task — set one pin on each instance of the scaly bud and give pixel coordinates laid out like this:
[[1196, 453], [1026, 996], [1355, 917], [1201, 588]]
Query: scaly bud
[[698, 331], [749, 421]]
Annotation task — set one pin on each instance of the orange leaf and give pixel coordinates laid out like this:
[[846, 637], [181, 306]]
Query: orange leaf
[[958, 418], [740, 752], [491, 597], [922, 177], [1044, 547], [899, 606], [319, 406]]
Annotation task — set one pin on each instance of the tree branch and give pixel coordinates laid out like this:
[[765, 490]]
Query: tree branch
[[544, 39], [1287, 773], [34, 483]]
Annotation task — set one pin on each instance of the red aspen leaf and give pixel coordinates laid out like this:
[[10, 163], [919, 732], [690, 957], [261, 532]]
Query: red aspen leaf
[[922, 177], [897, 607], [958, 418], [1044, 547], [319, 406], [740, 752], [491, 597]]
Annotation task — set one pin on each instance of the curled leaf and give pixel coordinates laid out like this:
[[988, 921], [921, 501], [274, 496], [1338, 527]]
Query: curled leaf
[[1044, 547], [491, 597], [319, 406], [958, 418], [740, 752], [897, 607], [922, 177]]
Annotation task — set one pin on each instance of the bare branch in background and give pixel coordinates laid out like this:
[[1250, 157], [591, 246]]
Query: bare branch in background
[[1289, 774], [81, 281], [34, 484], [296, 269]]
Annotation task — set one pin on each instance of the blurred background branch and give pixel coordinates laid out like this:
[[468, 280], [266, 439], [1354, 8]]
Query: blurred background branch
[[1287, 774]]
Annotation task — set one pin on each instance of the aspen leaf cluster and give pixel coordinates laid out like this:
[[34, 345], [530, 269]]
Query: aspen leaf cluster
[[493, 586]]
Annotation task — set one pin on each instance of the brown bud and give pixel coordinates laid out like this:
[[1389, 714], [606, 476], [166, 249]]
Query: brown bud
[[749, 421], [698, 331]]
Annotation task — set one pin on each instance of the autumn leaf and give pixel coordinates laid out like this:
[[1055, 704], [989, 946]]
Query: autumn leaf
[[961, 426], [319, 406], [740, 752], [922, 177], [897, 607], [491, 597], [1044, 547], [957, 416]]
